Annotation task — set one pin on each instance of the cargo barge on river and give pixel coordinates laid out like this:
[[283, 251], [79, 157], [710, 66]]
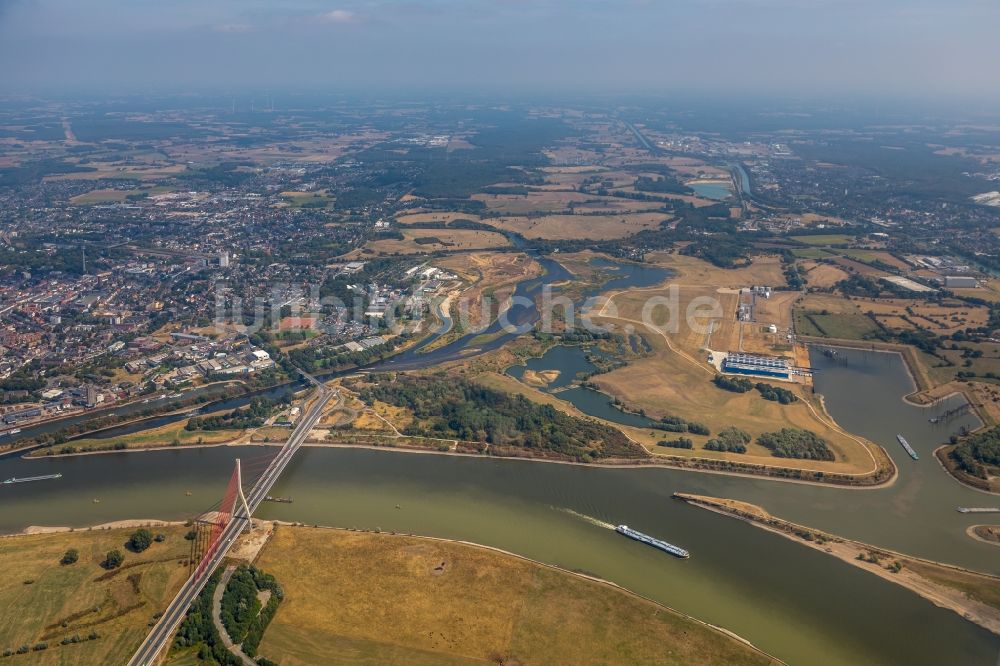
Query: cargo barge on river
[[676, 551], [907, 447], [26, 479]]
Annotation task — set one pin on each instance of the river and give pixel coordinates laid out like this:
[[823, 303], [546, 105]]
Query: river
[[796, 603], [136, 410], [523, 312], [716, 191]]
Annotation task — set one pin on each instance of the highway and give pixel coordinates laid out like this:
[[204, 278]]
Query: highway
[[641, 138], [160, 636]]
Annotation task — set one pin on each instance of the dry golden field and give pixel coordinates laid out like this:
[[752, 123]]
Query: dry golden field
[[435, 216], [822, 275], [675, 380], [942, 319], [533, 202], [43, 601], [675, 383], [366, 598], [697, 202], [764, 270], [568, 227], [852, 266], [755, 336], [420, 241]]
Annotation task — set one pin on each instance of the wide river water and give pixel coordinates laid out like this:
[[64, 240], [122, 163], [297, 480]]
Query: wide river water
[[798, 604]]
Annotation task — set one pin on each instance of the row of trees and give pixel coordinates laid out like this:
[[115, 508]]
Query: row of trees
[[976, 454], [251, 416], [796, 443], [139, 541], [733, 384], [729, 440], [197, 629], [677, 424], [776, 393], [458, 408], [743, 385], [240, 612]]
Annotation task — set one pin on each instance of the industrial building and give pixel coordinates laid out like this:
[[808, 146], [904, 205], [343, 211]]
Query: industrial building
[[960, 282], [908, 284], [750, 364]]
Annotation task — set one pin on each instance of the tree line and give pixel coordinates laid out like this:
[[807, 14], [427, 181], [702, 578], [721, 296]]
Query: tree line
[[460, 409]]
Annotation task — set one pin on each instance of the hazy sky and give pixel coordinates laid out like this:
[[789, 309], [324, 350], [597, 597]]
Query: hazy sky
[[922, 47]]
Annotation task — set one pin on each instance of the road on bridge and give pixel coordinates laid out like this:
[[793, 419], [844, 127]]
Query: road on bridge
[[161, 634]]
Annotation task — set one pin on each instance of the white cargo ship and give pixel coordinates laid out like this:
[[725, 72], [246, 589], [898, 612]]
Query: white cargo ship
[[676, 551]]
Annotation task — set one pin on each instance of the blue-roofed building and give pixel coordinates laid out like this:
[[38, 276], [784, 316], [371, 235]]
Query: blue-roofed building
[[761, 366]]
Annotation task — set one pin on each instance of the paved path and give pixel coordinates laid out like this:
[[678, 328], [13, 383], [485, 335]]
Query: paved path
[[217, 617]]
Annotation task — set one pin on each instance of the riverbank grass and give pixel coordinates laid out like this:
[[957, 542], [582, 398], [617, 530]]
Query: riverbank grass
[[172, 434], [376, 598], [44, 602]]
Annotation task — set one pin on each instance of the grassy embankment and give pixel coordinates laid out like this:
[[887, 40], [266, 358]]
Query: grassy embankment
[[43, 601], [375, 598], [172, 434]]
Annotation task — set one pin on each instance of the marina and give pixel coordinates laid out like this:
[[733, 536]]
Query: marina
[[670, 548], [906, 447]]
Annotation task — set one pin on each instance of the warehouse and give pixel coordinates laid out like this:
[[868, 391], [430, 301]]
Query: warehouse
[[749, 364], [960, 282]]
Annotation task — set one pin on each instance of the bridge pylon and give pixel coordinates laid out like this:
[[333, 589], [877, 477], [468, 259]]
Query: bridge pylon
[[243, 498]]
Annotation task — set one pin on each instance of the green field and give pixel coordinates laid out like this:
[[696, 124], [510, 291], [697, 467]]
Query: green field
[[839, 325], [824, 239], [319, 199], [811, 253], [104, 196]]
